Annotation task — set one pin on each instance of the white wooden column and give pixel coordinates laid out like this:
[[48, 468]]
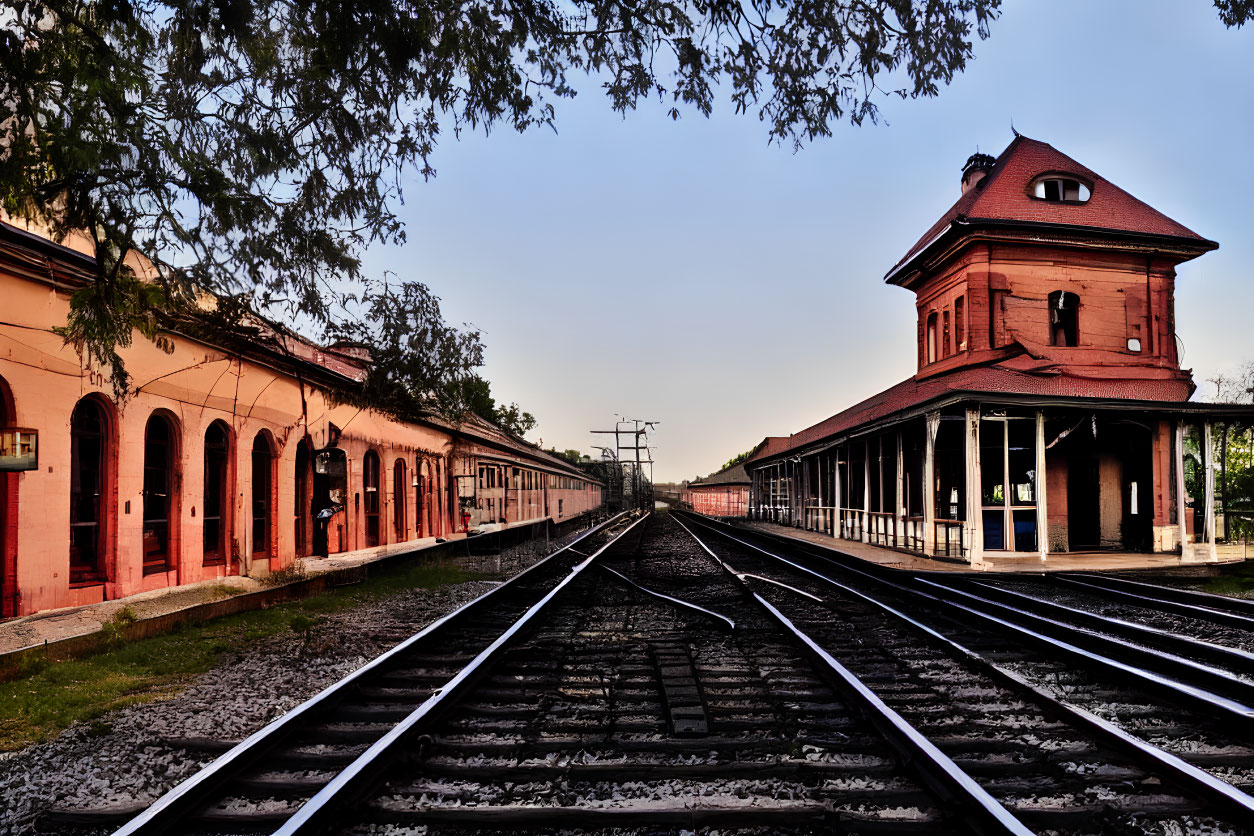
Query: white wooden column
[[929, 484], [806, 490], [1042, 512], [1208, 454], [839, 529], [1182, 528], [899, 517], [866, 490], [974, 524]]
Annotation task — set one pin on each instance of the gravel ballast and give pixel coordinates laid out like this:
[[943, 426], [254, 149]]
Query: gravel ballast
[[123, 759]]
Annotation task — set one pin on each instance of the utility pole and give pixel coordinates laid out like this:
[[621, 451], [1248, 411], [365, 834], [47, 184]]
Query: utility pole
[[637, 432]]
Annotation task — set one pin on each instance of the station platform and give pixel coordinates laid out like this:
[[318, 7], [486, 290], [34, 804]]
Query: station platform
[[1096, 561], [71, 631], [67, 623]]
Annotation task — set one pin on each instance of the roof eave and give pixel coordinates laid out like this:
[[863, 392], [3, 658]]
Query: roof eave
[[903, 274], [957, 397]]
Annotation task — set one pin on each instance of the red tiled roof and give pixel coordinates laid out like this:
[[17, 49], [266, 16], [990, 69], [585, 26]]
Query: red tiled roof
[[479, 428], [1003, 196], [980, 379], [769, 446]]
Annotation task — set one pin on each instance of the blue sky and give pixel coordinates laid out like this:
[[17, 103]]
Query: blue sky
[[689, 272]]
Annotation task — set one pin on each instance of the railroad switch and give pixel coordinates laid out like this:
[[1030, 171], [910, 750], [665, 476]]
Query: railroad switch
[[685, 708]]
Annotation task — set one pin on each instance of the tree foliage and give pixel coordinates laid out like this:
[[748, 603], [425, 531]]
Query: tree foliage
[[1234, 456], [417, 361], [737, 459], [1235, 12], [572, 456], [475, 394], [258, 146]]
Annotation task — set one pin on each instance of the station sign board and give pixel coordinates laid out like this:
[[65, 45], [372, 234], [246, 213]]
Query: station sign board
[[19, 449]]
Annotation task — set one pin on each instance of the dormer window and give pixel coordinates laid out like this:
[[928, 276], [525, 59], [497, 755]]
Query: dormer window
[[1058, 189]]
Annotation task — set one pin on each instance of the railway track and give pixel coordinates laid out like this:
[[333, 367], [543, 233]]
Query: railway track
[[636, 702], [673, 684], [661, 705], [259, 783], [1164, 748]]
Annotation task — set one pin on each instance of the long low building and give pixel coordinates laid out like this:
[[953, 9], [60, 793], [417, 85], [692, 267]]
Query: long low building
[[1049, 413], [223, 460], [721, 494]]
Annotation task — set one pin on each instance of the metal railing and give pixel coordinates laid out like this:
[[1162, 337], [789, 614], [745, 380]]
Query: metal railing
[[882, 528], [913, 531], [819, 518], [851, 523]]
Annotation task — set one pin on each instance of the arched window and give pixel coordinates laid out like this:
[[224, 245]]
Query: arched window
[[960, 324], [931, 338], [263, 484], [216, 497], [9, 601], [439, 493], [1064, 310], [370, 480], [427, 484], [1057, 188], [89, 446], [419, 529], [160, 454], [303, 499], [398, 499]]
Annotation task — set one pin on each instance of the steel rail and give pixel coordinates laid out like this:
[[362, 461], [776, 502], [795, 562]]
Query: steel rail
[[1208, 600], [1215, 680], [679, 602], [1200, 648], [167, 813], [985, 813], [773, 582], [1198, 697], [1227, 618], [318, 813], [1214, 789]]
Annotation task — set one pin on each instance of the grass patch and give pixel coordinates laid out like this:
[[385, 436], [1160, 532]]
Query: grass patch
[[50, 696], [1237, 579], [115, 628], [222, 590]]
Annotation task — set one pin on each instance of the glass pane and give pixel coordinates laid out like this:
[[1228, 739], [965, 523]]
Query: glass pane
[[992, 462], [1022, 438], [994, 529], [156, 530], [950, 469], [261, 496], [1025, 530]]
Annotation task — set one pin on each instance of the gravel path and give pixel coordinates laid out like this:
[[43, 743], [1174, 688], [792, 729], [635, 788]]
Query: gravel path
[[122, 759]]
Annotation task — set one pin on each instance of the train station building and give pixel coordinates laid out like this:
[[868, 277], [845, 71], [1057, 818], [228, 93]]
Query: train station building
[[1049, 413], [224, 459], [721, 494]]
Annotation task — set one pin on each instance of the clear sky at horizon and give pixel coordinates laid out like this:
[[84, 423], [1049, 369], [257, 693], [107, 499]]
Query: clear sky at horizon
[[690, 273]]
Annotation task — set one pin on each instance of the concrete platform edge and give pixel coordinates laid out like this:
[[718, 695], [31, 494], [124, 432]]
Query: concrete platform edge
[[13, 661]]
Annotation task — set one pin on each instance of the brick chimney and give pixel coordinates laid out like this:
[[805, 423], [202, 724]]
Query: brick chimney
[[977, 167]]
